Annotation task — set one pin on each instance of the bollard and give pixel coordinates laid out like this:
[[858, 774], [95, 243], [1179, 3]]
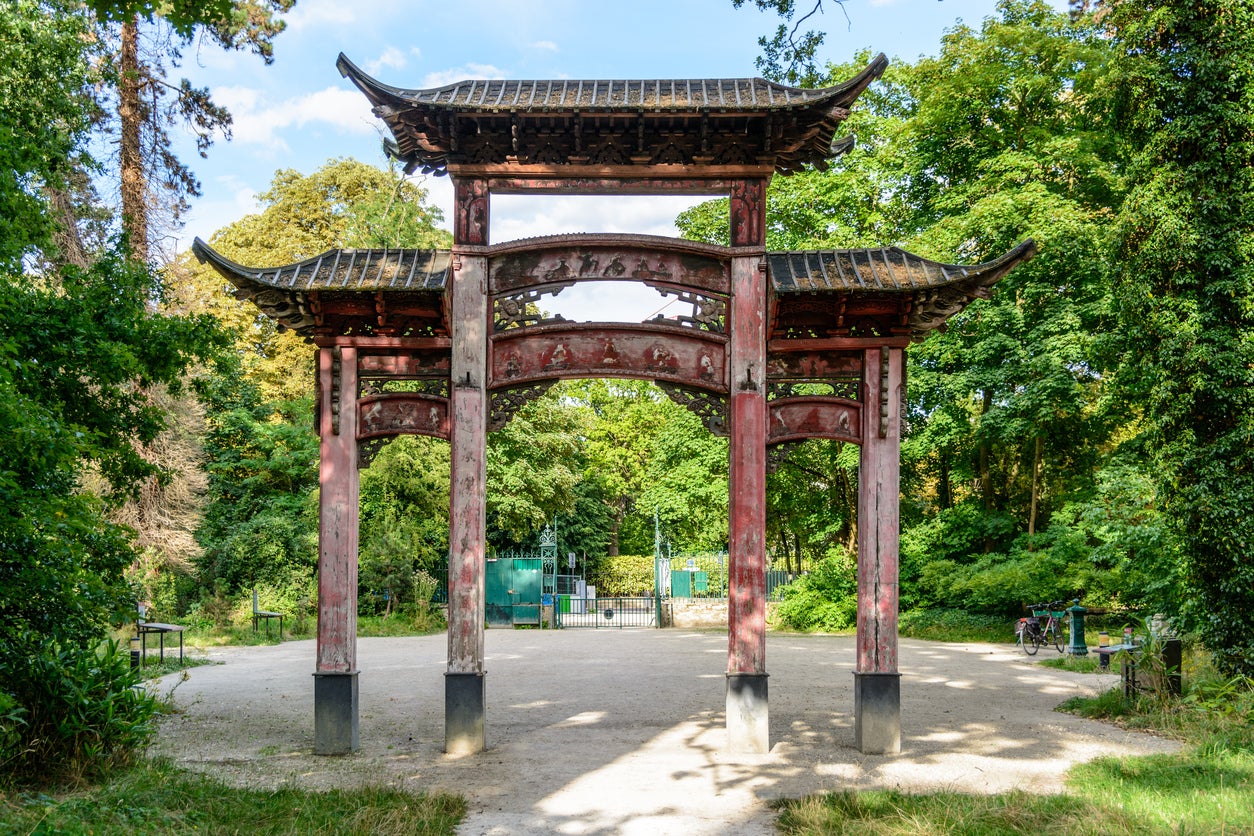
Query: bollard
[[134, 652], [1077, 647]]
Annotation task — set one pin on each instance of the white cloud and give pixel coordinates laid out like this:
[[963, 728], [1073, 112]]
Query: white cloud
[[209, 216], [548, 45], [314, 13], [466, 71], [526, 216], [258, 121], [392, 58]]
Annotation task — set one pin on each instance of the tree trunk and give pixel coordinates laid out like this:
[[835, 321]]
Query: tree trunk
[[616, 522], [944, 491], [70, 249], [1036, 483], [986, 477], [130, 153]]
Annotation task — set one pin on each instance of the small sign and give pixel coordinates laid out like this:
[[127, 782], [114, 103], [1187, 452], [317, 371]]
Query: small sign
[[692, 564], [570, 560]]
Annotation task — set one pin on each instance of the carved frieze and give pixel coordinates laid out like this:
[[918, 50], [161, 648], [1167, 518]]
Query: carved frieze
[[815, 418], [536, 268], [402, 414], [647, 351]]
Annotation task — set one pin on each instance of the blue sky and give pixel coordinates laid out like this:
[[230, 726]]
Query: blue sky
[[298, 112]]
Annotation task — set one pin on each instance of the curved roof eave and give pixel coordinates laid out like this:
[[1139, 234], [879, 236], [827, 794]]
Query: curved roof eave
[[385, 95]]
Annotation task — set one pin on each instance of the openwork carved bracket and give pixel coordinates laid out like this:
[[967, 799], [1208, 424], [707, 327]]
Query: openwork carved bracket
[[849, 388], [520, 309], [709, 313], [710, 407], [777, 454], [368, 448], [436, 387], [506, 402]]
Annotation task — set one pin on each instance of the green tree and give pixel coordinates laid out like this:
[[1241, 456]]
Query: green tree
[[1183, 94], [260, 521]]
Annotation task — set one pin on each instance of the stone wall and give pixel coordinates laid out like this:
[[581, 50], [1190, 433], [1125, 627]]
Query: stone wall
[[692, 613]]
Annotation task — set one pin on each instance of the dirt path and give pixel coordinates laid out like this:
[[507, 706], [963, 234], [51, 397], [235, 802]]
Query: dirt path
[[621, 731]]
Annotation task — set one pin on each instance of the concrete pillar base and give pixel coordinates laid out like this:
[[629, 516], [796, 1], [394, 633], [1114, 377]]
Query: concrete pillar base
[[335, 713], [748, 716], [465, 713], [877, 713]]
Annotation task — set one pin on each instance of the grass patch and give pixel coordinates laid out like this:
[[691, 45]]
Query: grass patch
[[946, 625], [894, 812], [156, 798], [1075, 664], [1206, 788], [155, 669]]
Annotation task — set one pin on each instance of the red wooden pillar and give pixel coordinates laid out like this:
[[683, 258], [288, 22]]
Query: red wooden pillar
[[465, 705], [335, 679], [747, 708], [877, 684]]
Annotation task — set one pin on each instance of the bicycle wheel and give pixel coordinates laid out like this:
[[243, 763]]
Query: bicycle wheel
[[1031, 642], [1056, 635]]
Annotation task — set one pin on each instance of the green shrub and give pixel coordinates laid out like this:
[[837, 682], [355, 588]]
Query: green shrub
[[952, 625], [70, 713], [825, 599], [624, 575]]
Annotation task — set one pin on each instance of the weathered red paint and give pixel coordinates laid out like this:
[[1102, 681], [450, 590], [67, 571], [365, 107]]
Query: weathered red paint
[[470, 211], [403, 414], [814, 365], [655, 263], [816, 417], [673, 179], [468, 451], [748, 218], [651, 352], [337, 512], [414, 363], [746, 596], [878, 511]]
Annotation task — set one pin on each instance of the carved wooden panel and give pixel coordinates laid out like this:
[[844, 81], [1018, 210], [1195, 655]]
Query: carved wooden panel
[[413, 363], [748, 212], [815, 418], [533, 268], [470, 211], [649, 352], [405, 414]]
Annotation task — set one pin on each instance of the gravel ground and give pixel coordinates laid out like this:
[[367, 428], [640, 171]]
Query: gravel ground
[[621, 731]]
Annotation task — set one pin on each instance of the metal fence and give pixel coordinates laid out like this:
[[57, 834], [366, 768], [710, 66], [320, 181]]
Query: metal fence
[[604, 613]]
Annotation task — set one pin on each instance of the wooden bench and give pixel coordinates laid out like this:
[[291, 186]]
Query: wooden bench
[[260, 615], [1162, 675], [146, 628]]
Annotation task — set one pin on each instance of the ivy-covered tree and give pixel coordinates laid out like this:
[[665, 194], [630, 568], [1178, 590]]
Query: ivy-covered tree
[[81, 348], [1183, 94]]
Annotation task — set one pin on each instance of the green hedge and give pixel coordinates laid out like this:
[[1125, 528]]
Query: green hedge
[[623, 575]]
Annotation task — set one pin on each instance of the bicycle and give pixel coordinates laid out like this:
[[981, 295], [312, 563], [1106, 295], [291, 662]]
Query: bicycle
[[1031, 635]]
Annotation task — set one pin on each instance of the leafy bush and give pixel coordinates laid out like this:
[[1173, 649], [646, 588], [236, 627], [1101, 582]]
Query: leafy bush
[[70, 713], [952, 625], [624, 575], [825, 599]]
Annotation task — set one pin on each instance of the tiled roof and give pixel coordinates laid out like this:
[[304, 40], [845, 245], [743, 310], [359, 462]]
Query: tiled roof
[[562, 95], [880, 270], [383, 269]]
